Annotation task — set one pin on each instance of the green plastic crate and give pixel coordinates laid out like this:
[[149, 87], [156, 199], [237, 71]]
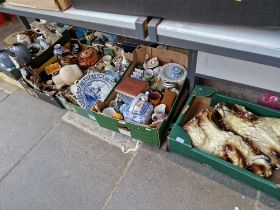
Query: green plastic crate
[[73, 108], [180, 142]]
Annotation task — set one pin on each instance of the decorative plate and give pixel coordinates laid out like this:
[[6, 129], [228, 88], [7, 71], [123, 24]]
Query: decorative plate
[[93, 87], [112, 74], [173, 72]]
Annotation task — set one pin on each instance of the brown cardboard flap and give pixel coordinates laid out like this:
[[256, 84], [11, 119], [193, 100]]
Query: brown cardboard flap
[[164, 56], [42, 4], [199, 103]]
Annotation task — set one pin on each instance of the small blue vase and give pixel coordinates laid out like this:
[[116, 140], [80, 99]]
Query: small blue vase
[[22, 53], [5, 60]]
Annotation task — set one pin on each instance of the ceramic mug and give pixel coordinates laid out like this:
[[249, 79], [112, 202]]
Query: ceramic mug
[[148, 75], [157, 117], [154, 98]]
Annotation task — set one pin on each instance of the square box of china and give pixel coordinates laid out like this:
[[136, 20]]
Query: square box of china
[[142, 104], [31, 47], [236, 137], [98, 80]]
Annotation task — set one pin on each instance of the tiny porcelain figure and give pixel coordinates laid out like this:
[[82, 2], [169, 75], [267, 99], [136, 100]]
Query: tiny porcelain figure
[[150, 63], [58, 49], [107, 59], [75, 46], [124, 60], [89, 38]]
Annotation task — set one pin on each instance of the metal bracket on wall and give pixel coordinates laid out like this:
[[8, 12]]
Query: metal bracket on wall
[[24, 21], [152, 29], [141, 27], [193, 80]]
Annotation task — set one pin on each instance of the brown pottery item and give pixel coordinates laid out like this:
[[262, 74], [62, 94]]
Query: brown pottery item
[[88, 58], [154, 98], [168, 99]]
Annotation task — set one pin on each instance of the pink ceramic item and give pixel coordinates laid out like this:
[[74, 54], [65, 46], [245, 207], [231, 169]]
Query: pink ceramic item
[[269, 100]]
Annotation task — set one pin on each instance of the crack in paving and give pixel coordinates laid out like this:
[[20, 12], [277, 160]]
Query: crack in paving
[[119, 180], [257, 201], [30, 150]]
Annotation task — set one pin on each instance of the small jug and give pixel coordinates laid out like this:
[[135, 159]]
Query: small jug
[[21, 52]]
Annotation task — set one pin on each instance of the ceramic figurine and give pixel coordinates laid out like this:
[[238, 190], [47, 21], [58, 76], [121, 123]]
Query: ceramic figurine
[[150, 63], [67, 75], [107, 59], [148, 75], [124, 60], [5, 59], [75, 46], [119, 67], [21, 52], [88, 57], [117, 60], [24, 39], [117, 50], [89, 37], [58, 50], [42, 42]]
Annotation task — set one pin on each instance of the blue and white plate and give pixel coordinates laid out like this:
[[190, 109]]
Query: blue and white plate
[[93, 87], [112, 73]]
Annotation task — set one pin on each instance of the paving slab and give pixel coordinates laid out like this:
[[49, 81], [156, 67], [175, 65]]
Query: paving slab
[[23, 121], [69, 169], [154, 182]]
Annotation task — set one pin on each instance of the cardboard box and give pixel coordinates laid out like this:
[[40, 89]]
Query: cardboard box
[[179, 141], [38, 94], [86, 112], [148, 134], [42, 4]]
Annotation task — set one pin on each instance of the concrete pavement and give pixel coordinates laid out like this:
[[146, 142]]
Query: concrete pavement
[[53, 159]]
